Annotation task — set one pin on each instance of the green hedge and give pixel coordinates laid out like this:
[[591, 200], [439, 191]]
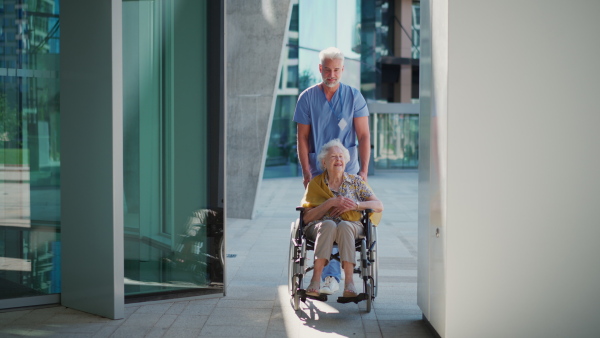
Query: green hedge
[[14, 156]]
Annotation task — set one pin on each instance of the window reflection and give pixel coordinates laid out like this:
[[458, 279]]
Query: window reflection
[[395, 141], [29, 149], [173, 237], [282, 160]]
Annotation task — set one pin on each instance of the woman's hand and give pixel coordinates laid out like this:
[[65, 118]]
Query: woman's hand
[[335, 206], [340, 205]]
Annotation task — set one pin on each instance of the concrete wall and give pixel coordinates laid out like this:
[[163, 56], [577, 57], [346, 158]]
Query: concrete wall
[[255, 36], [520, 225]]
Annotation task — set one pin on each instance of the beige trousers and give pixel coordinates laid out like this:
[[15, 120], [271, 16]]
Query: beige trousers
[[344, 233]]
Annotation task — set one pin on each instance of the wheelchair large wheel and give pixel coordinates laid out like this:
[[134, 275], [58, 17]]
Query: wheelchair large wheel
[[291, 283], [295, 270], [374, 267], [365, 268], [222, 252]]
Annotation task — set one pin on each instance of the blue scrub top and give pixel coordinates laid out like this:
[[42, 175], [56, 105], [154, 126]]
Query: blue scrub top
[[324, 118]]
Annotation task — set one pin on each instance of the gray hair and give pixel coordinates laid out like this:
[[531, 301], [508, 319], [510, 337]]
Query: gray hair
[[331, 53], [325, 149]]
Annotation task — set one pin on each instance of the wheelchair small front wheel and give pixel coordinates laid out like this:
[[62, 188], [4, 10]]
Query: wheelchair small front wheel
[[296, 281], [369, 292]]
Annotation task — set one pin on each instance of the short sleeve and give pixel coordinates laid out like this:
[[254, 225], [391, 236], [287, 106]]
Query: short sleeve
[[302, 111], [364, 191], [360, 105]]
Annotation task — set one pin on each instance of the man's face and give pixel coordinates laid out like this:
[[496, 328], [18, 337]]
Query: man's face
[[331, 71]]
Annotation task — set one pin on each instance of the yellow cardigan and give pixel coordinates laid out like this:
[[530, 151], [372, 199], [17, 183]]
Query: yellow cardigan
[[318, 192]]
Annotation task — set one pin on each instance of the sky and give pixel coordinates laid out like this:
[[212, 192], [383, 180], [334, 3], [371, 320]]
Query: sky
[[325, 24]]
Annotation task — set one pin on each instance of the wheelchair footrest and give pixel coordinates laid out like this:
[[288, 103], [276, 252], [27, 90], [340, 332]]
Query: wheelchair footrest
[[322, 298], [359, 298], [304, 296]]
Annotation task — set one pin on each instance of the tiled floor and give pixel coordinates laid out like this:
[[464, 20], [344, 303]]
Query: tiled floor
[[257, 303]]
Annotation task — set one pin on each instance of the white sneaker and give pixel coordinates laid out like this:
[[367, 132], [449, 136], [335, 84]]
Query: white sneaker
[[331, 285]]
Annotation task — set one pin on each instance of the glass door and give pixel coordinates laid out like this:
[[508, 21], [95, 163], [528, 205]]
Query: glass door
[[173, 235]]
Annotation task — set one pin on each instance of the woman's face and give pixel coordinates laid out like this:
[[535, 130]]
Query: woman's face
[[334, 160]]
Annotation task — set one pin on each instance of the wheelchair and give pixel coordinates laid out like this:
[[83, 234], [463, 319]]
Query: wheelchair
[[366, 246]]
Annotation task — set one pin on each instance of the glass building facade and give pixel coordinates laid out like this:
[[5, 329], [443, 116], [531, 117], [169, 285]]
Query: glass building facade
[[390, 74], [172, 165], [30, 179], [369, 34]]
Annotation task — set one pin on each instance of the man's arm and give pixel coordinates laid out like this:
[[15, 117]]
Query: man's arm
[[361, 126], [302, 145]]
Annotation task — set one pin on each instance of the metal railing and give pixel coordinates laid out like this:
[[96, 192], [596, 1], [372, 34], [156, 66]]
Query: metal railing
[[394, 135]]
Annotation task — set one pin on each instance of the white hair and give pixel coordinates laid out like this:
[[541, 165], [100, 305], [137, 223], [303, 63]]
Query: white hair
[[331, 53], [325, 149]]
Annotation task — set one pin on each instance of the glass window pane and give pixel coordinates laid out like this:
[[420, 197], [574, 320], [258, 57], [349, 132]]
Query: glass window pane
[[29, 149], [282, 160], [395, 141]]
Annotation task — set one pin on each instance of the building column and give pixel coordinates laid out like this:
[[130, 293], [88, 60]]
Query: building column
[[403, 49], [92, 157], [255, 37]]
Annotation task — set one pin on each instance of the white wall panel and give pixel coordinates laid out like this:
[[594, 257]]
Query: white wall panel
[[424, 162], [522, 178], [432, 161]]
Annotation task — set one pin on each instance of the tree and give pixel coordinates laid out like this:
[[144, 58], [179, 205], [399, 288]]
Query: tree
[[8, 122], [306, 80]]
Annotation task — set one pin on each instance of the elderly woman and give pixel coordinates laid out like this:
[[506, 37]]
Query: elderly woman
[[332, 200]]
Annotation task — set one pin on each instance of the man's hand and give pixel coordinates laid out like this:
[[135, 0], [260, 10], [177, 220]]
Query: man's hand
[[363, 135], [307, 177], [303, 148]]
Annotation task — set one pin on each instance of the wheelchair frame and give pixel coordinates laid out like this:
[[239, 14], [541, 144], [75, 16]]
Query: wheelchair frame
[[367, 267]]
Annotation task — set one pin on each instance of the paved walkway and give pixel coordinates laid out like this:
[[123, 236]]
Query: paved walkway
[[257, 303]]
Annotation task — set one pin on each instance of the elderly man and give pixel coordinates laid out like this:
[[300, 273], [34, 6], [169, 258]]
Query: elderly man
[[326, 111]]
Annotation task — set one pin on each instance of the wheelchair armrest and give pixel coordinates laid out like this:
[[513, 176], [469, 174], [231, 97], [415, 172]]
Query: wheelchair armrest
[[366, 214], [368, 226], [301, 217]]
